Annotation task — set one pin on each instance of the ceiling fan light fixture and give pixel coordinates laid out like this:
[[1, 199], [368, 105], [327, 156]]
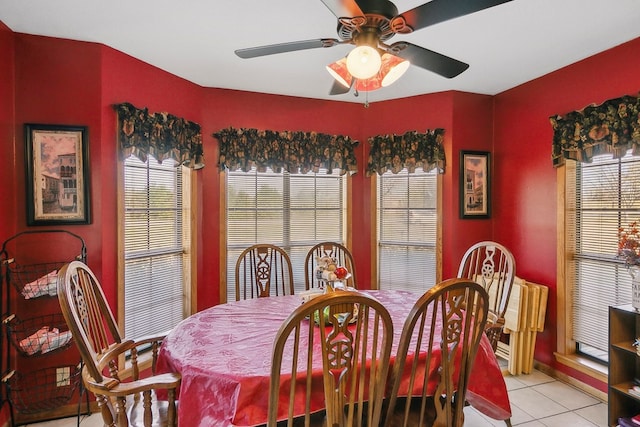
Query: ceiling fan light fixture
[[338, 71], [364, 62], [392, 68]]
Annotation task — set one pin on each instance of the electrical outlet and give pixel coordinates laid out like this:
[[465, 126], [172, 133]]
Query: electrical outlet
[[63, 377]]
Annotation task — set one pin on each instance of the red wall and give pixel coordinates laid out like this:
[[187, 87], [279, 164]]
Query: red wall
[[525, 180], [57, 82], [472, 130], [7, 132], [7, 146]]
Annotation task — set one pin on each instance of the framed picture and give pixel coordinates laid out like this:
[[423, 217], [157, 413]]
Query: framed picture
[[57, 173], [475, 188]]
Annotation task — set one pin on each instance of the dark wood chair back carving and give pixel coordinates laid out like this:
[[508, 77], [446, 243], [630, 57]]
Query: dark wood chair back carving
[[440, 338], [263, 270], [348, 336]]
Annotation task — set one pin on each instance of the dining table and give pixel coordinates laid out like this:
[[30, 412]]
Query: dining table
[[224, 356]]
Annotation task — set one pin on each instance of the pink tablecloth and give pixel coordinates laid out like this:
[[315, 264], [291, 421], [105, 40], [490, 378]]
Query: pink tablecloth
[[224, 356]]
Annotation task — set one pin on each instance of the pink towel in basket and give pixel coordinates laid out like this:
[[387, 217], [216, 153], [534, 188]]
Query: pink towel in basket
[[45, 285]]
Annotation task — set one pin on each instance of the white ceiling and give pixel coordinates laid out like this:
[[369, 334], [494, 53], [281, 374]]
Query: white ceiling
[[505, 46]]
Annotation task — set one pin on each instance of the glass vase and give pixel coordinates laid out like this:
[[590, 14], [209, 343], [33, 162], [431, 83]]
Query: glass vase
[[634, 271]]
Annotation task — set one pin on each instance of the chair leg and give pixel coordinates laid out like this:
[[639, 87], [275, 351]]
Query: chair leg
[[508, 422]]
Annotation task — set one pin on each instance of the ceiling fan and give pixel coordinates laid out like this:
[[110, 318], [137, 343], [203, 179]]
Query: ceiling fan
[[368, 24]]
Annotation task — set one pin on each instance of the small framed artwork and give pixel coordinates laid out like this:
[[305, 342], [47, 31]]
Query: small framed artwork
[[57, 173], [475, 188]]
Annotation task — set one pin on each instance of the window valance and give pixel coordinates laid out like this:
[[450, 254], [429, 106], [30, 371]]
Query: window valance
[[294, 152], [160, 135], [611, 127], [410, 150]]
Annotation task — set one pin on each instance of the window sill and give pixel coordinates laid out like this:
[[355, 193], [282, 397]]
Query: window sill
[[588, 367], [584, 365]]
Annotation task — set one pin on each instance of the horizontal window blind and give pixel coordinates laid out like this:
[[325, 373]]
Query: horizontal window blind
[[155, 238], [293, 211], [407, 230], [607, 197]]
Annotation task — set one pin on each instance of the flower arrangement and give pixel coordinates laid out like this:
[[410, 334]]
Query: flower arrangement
[[629, 244]]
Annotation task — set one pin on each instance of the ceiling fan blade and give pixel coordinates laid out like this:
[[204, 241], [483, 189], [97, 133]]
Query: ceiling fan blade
[[343, 8], [437, 11], [428, 59], [338, 89], [253, 52]]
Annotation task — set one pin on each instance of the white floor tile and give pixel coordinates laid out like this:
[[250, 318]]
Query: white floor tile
[[534, 378], [535, 404], [567, 419], [475, 419], [518, 416], [513, 383], [566, 395], [597, 414]]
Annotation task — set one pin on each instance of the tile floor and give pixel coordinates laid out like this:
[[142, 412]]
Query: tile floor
[[537, 400]]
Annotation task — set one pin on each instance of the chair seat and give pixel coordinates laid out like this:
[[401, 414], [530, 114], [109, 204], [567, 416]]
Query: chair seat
[[397, 416]]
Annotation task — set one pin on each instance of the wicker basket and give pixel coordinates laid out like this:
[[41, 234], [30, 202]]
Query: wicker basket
[[34, 280], [42, 390]]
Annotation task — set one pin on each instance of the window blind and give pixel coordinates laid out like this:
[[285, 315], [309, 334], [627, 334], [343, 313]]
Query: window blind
[[155, 236], [293, 211], [407, 230], [607, 197]]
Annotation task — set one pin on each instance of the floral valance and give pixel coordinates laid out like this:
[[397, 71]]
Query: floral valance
[[611, 127], [294, 152], [410, 150], [160, 135]]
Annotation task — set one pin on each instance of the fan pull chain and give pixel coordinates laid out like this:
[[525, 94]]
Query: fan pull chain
[[356, 94]]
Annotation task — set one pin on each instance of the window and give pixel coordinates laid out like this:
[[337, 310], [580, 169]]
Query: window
[[293, 211], [407, 230], [156, 246], [607, 196]]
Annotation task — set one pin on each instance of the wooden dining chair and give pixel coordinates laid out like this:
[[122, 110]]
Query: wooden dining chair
[[440, 338], [124, 396], [335, 250], [493, 266], [263, 270], [337, 347]]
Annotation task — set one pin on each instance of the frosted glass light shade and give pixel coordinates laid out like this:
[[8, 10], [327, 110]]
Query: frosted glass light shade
[[363, 62]]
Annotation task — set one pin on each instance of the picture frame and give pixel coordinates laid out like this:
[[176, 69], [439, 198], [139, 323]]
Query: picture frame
[[475, 184], [57, 174]]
